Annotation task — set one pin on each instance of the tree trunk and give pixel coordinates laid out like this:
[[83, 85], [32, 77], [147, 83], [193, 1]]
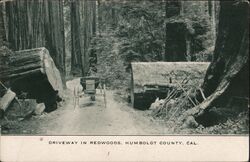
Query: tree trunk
[[212, 14], [37, 23], [82, 14], [175, 44], [2, 29], [227, 76], [94, 22], [67, 35], [75, 30], [99, 18]]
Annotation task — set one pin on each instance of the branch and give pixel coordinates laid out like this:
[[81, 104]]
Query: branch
[[186, 94], [202, 94]]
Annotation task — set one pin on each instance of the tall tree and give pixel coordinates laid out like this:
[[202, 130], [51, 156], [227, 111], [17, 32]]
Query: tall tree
[[2, 30], [175, 45], [67, 35], [37, 23], [212, 11], [227, 77], [83, 28]]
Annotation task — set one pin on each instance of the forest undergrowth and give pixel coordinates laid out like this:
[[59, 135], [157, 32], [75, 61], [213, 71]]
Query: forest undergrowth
[[110, 65], [173, 108]]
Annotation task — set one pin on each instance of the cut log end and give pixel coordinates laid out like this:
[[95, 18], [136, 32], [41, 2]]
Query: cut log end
[[5, 101], [34, 72]]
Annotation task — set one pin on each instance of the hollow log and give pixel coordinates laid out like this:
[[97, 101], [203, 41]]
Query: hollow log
[[150, 80], [32, 71], [5, 101]]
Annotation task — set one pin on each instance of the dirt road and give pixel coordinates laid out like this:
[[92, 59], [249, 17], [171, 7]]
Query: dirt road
[[91, 118]]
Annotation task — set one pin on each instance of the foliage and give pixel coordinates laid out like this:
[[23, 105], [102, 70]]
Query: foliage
[[199, 30], [198, 19], [141, 26], [110, 66], [136, 35], [138, 30]]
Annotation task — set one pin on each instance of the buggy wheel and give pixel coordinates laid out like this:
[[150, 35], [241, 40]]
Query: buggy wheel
[[92, 97]]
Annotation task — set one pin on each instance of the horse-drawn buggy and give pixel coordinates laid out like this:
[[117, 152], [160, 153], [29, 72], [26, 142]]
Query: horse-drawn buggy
[[90, 84]]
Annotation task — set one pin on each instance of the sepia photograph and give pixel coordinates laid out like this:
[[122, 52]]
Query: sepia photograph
[[124, 67], [124, 80]]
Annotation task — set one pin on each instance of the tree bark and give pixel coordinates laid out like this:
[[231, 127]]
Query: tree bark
[[228, 74], [83, 28], [175, 43], [37, 23], [67, 36], [33, 72], [26, 63], [2, 28], [212, 14]]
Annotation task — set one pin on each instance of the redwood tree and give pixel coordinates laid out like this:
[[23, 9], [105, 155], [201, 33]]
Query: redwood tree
[[37, 23], [226, 79], [175, 44], [2, 30], [83, 21]]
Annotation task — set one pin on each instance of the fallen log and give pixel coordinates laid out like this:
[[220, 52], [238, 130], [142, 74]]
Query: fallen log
[[32, 71], [150, 80], [5, 101]]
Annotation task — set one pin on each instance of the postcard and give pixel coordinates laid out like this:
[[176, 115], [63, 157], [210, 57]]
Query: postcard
[[124, 80]]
